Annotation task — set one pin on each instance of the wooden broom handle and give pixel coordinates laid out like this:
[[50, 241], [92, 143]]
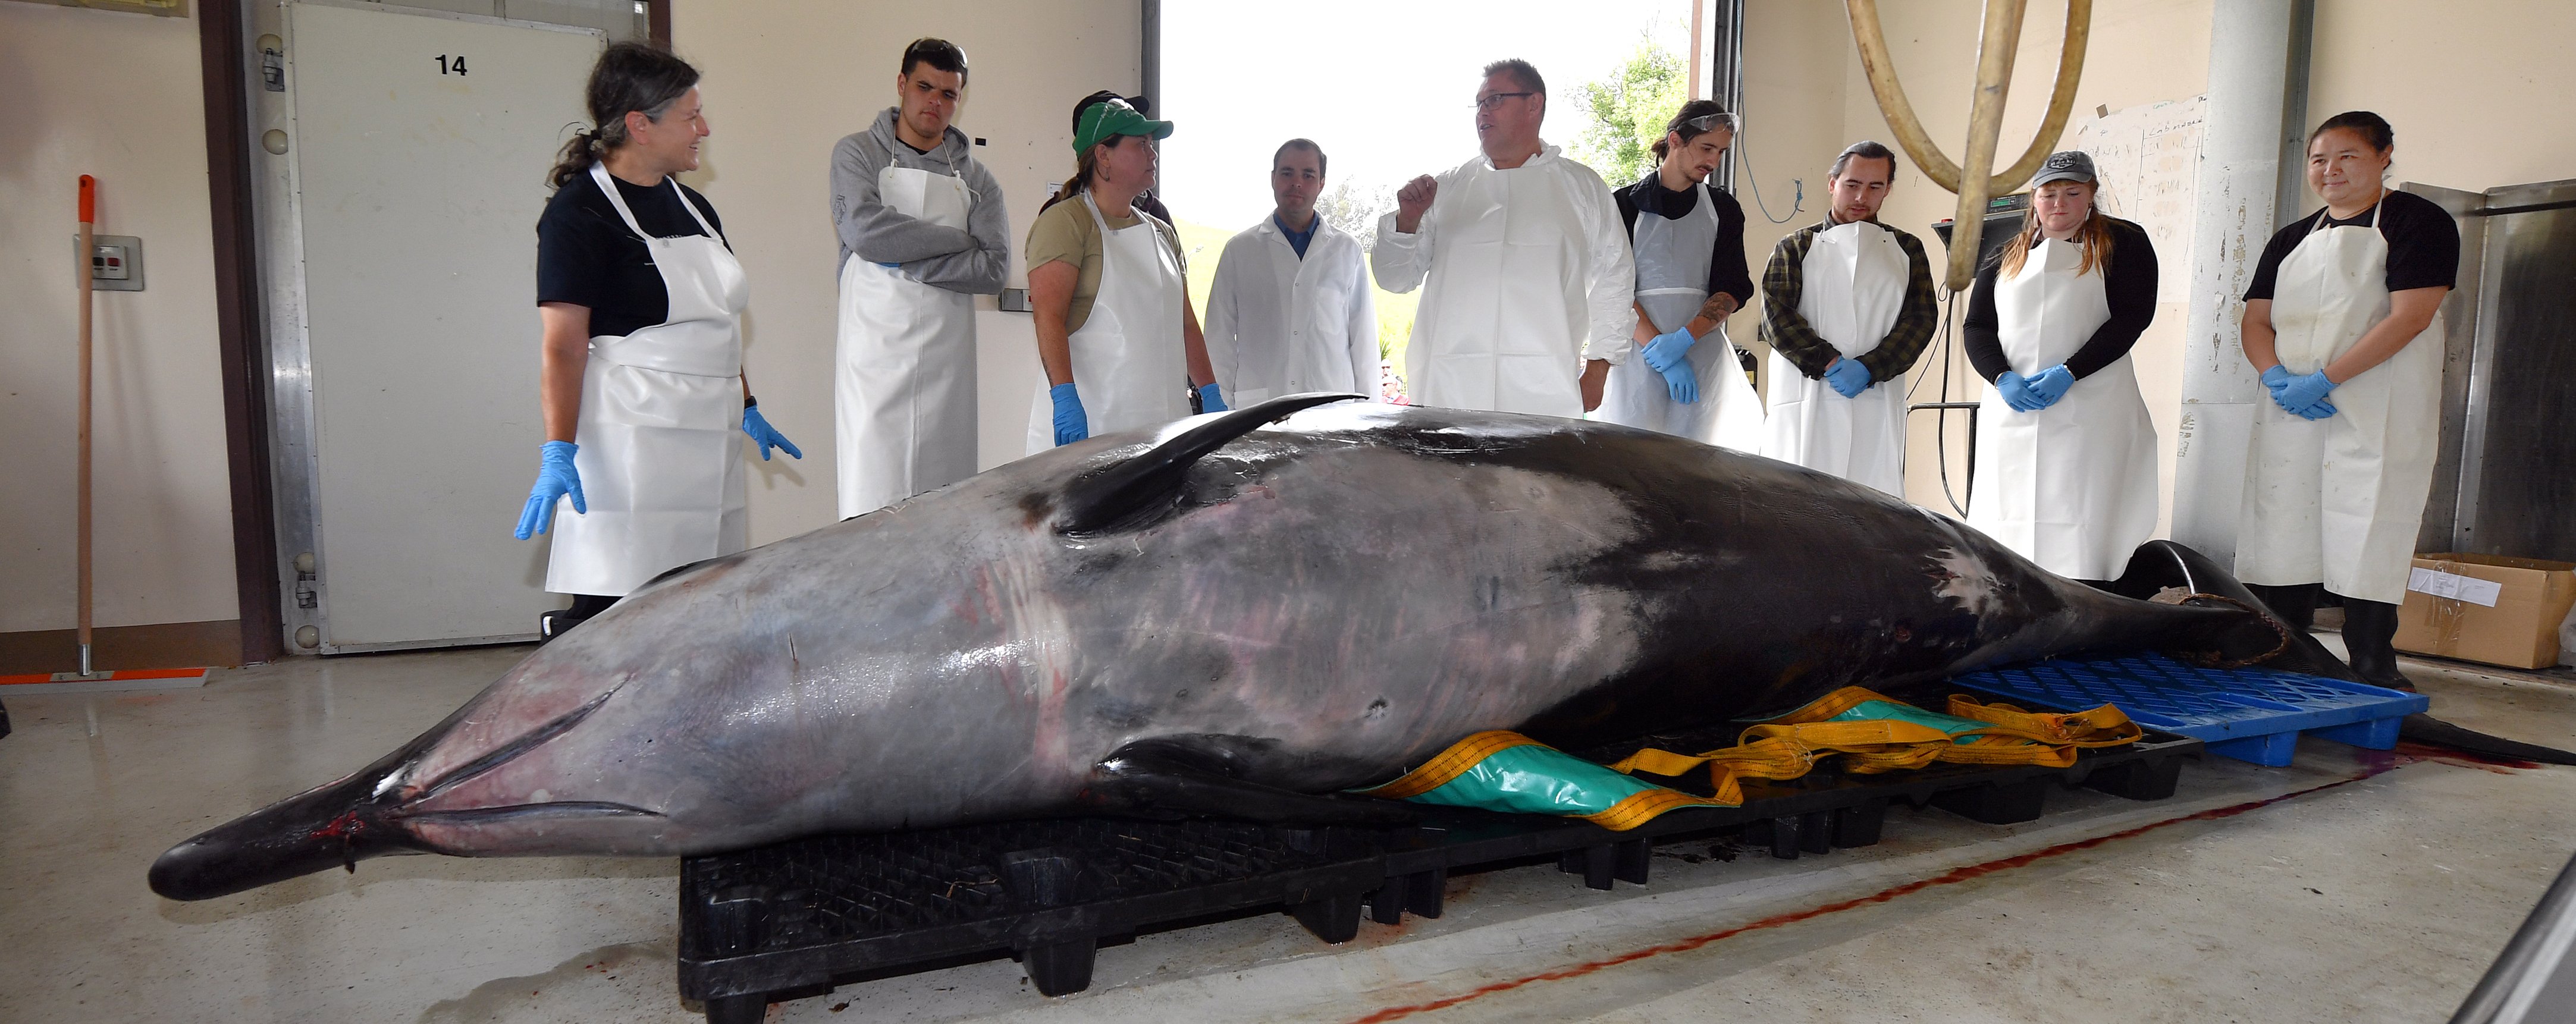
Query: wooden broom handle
[[88, 219]]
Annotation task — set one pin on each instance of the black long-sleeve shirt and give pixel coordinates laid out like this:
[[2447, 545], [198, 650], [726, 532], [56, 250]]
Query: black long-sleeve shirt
[[2128, 282], [1727, 271]]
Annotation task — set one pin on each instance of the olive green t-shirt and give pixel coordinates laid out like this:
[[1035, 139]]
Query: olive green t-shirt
[[1066, 232]]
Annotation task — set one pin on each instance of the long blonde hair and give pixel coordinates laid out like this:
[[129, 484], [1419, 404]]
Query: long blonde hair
[[2094, 233]]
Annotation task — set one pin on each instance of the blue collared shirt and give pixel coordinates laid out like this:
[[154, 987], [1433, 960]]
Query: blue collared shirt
[[1297, 239]]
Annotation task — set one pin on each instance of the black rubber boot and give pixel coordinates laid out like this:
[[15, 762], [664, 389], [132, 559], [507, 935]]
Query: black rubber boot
[[2369, 635], [2296, 604], [557, 623]]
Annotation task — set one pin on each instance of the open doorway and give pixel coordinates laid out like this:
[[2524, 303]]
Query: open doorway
[[1385, 90]]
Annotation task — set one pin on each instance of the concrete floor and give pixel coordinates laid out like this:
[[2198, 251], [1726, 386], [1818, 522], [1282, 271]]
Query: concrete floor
[[2382, 895]]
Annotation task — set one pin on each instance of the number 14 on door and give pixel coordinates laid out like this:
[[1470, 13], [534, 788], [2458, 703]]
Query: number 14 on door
[[451, 65]]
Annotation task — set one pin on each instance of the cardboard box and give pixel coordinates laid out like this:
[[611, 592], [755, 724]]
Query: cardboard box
[[2489, 608]]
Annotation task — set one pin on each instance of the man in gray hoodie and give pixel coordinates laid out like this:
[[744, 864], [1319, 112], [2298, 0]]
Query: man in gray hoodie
[[922, 232]]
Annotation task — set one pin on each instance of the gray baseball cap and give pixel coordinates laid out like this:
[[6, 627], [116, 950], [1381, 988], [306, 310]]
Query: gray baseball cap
[[2066, 165]]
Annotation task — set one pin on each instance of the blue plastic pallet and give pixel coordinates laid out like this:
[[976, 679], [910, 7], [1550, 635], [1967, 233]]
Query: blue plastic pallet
[[2250, 714]]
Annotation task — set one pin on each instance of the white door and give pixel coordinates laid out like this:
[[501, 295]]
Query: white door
[[420, 145]]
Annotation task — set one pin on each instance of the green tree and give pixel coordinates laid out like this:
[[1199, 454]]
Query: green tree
[[1625, 112]]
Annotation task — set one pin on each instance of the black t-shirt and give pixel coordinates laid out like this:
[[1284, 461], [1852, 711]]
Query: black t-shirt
[[2423, 244], [1727, 271], [587, 257], [2128, 288]]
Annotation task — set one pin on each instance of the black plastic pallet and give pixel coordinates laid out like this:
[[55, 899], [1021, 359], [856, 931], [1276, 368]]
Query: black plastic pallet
[[794, 919]]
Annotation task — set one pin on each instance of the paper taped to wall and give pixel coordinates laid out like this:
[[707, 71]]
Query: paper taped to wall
[[2148, 157], [2453, 585]]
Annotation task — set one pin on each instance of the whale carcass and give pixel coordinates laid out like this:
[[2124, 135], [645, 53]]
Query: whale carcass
[[1239, 614]]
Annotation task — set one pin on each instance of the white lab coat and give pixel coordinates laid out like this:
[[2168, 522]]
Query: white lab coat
[[1281, 325], [2340, 499], [1526, 274]]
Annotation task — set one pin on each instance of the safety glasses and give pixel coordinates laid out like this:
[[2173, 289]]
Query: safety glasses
[[1710, 123]]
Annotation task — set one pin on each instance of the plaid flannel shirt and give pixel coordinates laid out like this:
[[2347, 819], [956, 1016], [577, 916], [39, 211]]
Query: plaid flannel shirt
[[1789, 334]]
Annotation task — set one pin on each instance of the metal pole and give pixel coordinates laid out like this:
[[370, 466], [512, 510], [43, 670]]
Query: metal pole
[[2292, 192], [2232, 215], [2529, 963], [1150, 63], [1726, 74]]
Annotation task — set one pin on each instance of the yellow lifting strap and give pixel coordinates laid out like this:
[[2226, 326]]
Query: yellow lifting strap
[[1973, 733]]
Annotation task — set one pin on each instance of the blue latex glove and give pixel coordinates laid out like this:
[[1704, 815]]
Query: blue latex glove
[[1681, 382], [2016, 391], [1070, 424], [767, 437], [889, 264], [2316, 410], [556, 477], [2303, 393], [1848, 377], [1668, 348], [1211, 399], [2275, 379], [2050, 384]]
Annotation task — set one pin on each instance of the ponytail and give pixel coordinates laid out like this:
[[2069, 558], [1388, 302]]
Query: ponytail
[[1086, 164], [576, 158], [629, 78]]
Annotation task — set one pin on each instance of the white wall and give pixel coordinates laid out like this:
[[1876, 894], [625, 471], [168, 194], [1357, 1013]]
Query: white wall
[[164, 529], [784, 80], [2482, 95]]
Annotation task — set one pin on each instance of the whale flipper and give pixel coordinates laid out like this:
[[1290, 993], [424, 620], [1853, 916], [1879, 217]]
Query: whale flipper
[[1165, 778]]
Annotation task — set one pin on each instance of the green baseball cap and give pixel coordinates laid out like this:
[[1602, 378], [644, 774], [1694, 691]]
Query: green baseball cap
[[1113, 117]]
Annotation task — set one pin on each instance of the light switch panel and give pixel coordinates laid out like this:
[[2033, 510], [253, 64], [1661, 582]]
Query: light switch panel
[[116, 263]]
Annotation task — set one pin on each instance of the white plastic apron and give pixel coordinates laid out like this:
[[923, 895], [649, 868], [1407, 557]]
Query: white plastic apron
[[1127, 360], [1495, 320], [2073, 486], [904, 388], [1854, 289], [2340, 499], [660, 427], [1672, 283]]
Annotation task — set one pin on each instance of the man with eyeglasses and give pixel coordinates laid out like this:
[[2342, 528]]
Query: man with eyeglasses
[[1524, 264]]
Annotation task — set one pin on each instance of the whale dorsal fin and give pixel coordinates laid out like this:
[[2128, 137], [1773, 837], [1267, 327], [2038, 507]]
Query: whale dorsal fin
[[1150, 483]]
